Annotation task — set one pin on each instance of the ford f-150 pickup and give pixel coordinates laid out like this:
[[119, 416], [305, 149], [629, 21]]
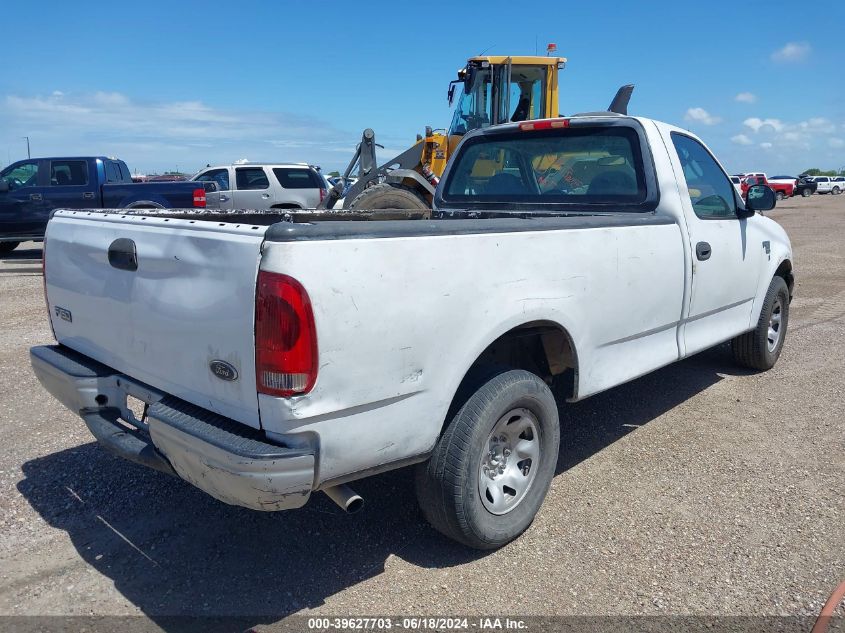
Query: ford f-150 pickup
[[31, 189], [280, 357]]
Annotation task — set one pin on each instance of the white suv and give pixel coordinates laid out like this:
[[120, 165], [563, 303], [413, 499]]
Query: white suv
[[266, 185]]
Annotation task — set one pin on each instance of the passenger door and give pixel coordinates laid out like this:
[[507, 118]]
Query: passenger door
[[70, 186], [727, 251], [221, 177], [253, 188], [23, 210]]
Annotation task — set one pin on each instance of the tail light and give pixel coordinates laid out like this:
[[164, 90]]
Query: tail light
[[285, 337], [199, 197], [323, 194], [44, 284]]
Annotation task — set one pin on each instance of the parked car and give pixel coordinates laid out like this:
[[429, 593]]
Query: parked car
[[837, 185], [737, 183], [784, 180], [806, 186], [826, 184], [304, 355], [30, 189], [782, 189], [266, 185]]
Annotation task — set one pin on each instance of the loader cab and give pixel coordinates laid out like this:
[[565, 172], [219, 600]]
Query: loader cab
[[504, 89]]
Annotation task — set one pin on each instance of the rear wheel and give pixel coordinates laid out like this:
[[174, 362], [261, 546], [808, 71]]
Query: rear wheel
[[806, 193], [493, 465], [387, 196], [836, 191], [7, 247], [780, 195], [760, 348]]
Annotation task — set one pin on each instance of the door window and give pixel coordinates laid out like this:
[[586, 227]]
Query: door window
[[219, 176], [711, 192], [20, 176], [292, 178], [68, 173], [251, 178]]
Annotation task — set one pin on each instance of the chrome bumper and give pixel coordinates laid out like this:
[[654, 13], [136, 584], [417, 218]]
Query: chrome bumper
[[228, 460]]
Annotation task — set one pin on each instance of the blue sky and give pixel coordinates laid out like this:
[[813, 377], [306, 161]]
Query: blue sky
[[183, 84]]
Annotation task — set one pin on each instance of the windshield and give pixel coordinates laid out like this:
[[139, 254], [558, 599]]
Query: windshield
[[578, 166], [522, 99]]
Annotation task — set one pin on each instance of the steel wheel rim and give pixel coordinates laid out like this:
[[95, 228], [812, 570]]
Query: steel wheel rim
[[775, 323], [509, 461]]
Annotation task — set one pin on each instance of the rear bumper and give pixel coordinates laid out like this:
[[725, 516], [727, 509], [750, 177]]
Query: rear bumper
[[228, 460]]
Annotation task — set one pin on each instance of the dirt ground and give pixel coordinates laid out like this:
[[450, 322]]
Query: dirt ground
[[700, 489]]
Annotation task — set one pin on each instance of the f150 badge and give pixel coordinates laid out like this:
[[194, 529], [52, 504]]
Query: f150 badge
[[223, 370], [63, 314]]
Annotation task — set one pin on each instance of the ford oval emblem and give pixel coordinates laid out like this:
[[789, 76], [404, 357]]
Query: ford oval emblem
[[223, 370]]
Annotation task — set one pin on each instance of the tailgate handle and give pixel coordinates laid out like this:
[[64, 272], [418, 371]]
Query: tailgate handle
[[122, 254]]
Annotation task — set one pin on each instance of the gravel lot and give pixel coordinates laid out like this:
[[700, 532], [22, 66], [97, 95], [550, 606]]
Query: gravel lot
[[700, 489]]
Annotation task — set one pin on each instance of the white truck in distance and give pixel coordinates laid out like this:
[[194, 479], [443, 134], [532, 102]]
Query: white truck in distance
[[275, 361]]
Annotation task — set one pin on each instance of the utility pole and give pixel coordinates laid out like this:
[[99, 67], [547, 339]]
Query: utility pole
[[28, 154]]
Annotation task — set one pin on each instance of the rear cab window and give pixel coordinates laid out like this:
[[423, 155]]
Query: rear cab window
[[298, 178], [248, 178], [580, 166]]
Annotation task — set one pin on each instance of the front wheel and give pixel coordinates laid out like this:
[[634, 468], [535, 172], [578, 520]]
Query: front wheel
[[760, 348], [806, 193], [492, 467], [836, 191]]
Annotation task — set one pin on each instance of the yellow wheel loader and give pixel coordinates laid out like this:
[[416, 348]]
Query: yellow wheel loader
[[494, 89]]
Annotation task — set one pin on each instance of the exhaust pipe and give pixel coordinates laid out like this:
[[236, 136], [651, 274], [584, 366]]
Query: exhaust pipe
[[345, 497]]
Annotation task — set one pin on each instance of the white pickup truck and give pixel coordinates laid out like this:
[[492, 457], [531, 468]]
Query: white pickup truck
[[283, 358]]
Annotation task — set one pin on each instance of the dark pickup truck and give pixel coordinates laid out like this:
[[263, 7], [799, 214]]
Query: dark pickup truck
[[30, 189]]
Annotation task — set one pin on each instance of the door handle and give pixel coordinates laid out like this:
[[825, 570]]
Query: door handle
[[88, 195], [703, 251], [224, 198], [35, 196], [265, 195]]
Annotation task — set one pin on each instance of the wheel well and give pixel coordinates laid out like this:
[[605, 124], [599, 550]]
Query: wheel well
[[541, 347], [785, 271]]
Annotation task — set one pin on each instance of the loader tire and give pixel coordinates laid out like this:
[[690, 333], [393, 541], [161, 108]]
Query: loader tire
[[387, 196]]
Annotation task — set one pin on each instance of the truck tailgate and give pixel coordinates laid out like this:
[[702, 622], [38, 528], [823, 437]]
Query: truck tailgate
[[190, 302]]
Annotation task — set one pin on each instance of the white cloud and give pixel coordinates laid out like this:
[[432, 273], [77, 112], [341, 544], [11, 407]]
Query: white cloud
[[757, 124], [741, 139], [766, 145], [154, 136], [836, 142], [792, 52], [746, 97], [700, 115]]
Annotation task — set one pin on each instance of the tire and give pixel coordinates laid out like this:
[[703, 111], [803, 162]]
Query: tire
[[387, 196], [836, 191], [806, 193], [7, 247], [755, 349], [780, 195], [520, 406]]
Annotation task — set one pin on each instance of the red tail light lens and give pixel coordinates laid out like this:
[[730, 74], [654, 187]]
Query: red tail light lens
[[323, 194], [199, 197], [285, 337]]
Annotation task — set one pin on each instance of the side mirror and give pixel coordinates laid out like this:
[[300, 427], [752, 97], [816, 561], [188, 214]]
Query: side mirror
[[4, 185], [760, 198]]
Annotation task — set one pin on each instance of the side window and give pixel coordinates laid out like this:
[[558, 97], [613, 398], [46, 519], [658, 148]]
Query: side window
[[219, 176], [711, 193], [124, 171], [69, 173], [23, 175], [251, 178], [113, 172], [293, 178]]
